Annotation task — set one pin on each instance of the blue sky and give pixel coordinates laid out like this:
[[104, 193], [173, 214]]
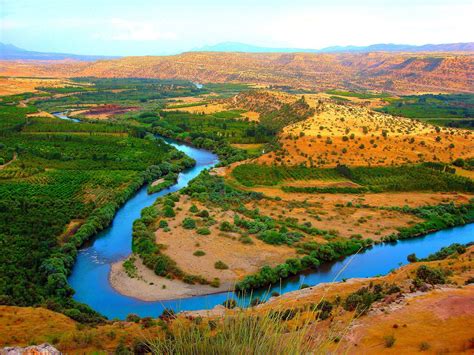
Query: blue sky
[[141, 27]]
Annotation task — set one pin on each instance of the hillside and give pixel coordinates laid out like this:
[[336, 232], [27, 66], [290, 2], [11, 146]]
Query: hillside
[[391, 72], [357, 136]]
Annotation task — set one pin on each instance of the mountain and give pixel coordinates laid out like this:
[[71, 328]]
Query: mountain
[[382, 47], [397, 73], [249, 48], [11, 52]]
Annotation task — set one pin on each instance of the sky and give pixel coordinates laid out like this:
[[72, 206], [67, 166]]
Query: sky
[[156, 27]]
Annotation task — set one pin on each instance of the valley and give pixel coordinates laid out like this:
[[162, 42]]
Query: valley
[[163, 196]]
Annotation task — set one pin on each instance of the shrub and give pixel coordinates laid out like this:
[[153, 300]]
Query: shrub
[[424, 346], [220, 265], [199, 253], [226, 227], [163, 224], [203, 214], [203, 231], [215, 282], [412, 258], [193, 209], [459, 162], [167, 314], [431, 275], [168, 212], [230, 303], [189, 223], [389, 341]]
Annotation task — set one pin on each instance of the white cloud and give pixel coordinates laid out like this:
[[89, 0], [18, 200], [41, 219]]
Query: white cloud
[[126, 30]]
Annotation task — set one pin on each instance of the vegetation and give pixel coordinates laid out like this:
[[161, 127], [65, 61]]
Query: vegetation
[[452, 110], [63, 185], [432, 106], [435, 218], [321, 253], [358, 95], [369, 179], [237, 335]]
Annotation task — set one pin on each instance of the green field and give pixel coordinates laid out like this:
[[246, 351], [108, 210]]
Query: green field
[[58, 172], [370, 179], [452, 110]]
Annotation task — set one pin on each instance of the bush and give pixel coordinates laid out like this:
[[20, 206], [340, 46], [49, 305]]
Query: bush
[[168, 212], [226, 227], [431, 275], [189, 223], [199, 253], [133, 318], [220, 265], [203, 231], [389, 341], [215, 282], [412, 258], [203, 214]]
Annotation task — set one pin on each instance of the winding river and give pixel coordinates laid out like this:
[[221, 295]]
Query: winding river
[[89, 277]]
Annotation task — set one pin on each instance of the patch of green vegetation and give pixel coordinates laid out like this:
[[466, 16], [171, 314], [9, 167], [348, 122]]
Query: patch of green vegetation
[[371, 179], [430, 106], [435, 218], [130, 267], [59, 176], [220, 124], [321, 253], [255, 174], [220, 265], [359, 95]]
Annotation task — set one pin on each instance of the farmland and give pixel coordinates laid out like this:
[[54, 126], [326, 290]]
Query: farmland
[[57, 174]]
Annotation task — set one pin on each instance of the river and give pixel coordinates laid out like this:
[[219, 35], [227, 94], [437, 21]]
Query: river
[[90, 275]]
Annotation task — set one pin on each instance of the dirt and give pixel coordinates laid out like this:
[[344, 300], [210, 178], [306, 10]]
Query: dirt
[[442, 320], [242, 259], [356, 136], [148, 286]]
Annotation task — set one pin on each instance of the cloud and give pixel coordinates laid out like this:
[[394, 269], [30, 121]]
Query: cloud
[[126, 30]]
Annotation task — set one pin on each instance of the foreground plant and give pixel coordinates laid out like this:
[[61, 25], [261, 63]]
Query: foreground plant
[[241, 333]]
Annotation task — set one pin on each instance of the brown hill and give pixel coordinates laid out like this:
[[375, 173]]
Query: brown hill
[[357, 136], [393, 72]]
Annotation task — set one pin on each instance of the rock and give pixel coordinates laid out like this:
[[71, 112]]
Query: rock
[[42, 349]]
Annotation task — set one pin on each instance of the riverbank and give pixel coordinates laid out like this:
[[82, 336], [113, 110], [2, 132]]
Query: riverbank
[[147, 286]]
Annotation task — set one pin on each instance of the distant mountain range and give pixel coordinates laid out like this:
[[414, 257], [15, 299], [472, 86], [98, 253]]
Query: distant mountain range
[[11, 52], [383, 47]]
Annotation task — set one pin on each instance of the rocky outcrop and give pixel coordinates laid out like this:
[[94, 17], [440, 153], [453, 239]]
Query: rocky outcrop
[[42, 349]]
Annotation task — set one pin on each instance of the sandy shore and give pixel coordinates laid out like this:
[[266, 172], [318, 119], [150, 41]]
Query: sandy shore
[[149, 287]]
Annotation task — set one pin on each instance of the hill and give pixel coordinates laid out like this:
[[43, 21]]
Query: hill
[[356, 136], [390, 72]]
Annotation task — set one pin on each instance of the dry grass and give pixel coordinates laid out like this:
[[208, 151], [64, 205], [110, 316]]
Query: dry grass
[[357, 136], [13, 86]]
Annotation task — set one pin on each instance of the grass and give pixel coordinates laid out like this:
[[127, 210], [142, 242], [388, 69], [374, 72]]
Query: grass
[[241, 333]]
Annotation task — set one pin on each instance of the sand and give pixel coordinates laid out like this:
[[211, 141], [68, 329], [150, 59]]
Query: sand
[[149, 287]]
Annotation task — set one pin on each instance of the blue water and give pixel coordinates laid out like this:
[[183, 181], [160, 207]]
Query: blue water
[[89, 277], [63, 116]]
